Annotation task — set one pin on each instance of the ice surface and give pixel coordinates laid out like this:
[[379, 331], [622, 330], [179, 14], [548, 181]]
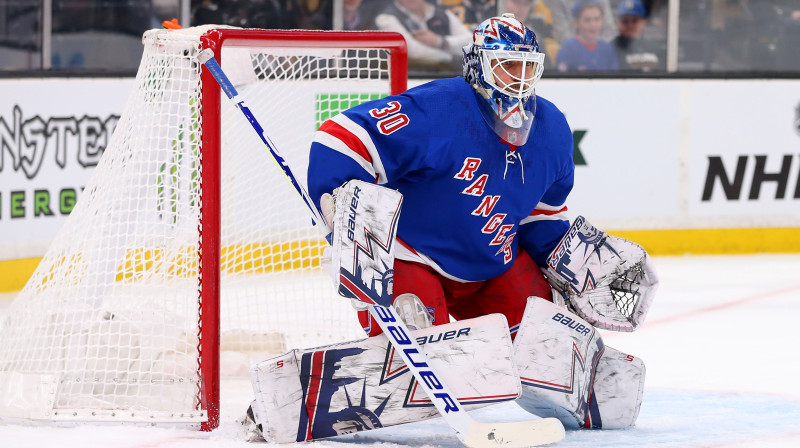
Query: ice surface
[[720, 345]]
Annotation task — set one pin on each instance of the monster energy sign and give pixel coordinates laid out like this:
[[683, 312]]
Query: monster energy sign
[[25, 144]]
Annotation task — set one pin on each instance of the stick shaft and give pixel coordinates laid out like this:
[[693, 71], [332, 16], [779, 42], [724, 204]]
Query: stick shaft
[[207, 59]]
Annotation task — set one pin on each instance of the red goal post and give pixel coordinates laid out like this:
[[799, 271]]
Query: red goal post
[[186, 242], [215, 40]]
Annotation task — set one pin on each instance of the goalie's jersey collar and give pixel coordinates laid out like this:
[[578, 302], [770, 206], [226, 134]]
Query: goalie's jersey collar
[[514, 125]]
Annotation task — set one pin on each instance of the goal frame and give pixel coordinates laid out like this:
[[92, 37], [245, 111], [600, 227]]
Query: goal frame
[[209, 257]]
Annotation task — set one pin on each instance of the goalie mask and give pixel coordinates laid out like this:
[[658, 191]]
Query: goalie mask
[[503, 64]]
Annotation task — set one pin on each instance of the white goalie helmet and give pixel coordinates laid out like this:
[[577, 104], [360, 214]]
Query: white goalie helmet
[[503, 64]]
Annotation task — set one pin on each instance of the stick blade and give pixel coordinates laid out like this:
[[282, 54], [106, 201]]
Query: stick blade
[[514, 434]]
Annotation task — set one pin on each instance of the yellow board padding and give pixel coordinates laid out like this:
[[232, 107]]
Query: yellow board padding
[[734, 241], [298, 255], [15, 273], [261, 258], [152, 263], [255, 258]]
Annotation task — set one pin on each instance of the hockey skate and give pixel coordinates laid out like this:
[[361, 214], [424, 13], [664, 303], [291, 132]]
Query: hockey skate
[[251, 431]]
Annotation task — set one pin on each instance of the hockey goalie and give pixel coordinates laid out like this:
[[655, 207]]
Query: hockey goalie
[[505, 294]]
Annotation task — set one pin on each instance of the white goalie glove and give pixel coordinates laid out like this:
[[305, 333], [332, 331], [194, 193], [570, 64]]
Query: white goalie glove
[[327, 204], [380, 209], [351, 208], [607, 280]]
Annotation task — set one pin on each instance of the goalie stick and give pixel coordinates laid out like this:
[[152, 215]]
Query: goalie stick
[[472, 433]]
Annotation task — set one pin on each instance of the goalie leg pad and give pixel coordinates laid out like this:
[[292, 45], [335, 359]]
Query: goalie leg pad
[[618, 388], [356, 386], [568, 372], [557, 354]]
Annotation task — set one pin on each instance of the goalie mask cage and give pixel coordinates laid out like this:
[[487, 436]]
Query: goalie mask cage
[[187, 238]]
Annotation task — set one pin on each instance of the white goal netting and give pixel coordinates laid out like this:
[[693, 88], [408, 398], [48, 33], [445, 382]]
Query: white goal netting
[[111, 326]]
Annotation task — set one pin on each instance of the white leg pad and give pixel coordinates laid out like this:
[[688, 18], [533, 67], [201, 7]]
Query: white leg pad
[[618, 388], [556, 353], [567, 372], [361, 385]]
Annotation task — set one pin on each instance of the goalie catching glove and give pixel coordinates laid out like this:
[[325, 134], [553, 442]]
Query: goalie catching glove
[[607, 280]]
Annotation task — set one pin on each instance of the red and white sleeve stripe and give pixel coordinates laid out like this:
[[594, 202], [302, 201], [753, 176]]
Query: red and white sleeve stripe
[[345, 136], [546, 212]]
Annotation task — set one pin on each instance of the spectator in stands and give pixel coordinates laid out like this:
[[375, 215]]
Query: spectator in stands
[[587, 51], [268, 14], [536, 16], [776, 33], [633, 52], [434, 35], [522, 10], [206, 12], [751, 35], [563, 24], [357, 15], [788, 48], [353, 18], [656, 29], [469, 12]]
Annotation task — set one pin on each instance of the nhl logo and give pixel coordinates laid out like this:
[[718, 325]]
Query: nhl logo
[[797, 119], [512, 137]]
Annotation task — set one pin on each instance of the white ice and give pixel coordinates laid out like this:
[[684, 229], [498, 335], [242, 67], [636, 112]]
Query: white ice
[[720, 345]]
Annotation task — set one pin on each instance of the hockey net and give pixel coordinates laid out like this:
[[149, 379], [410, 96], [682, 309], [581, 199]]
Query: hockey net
[[187, 237]]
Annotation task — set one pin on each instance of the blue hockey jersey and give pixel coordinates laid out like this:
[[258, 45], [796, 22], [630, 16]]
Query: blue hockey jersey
[[469, 198]]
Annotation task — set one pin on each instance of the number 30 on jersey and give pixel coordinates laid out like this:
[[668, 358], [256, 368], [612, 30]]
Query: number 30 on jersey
[[389, 118]]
